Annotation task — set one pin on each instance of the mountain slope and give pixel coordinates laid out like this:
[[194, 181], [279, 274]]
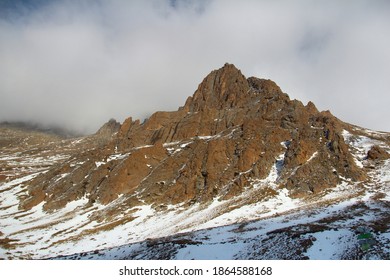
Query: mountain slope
[[238, 150]]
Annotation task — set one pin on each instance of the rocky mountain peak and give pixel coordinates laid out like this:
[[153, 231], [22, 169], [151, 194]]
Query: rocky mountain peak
[[239, 149], [224, 88], [231, 134]]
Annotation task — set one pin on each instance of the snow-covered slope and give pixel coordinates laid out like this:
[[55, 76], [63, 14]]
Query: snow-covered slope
[[272, 226]]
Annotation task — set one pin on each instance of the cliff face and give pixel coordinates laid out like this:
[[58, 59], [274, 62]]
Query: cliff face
[[227, 137]]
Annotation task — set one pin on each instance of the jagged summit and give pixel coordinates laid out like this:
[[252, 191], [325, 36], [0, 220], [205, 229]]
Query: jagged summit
[[227, 88], [107, 131], [228, 135], [221, 89]]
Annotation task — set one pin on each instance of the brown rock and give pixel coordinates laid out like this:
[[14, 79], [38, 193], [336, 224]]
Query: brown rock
[[377, 153], [108, 129], [227, 135], [221, 89]]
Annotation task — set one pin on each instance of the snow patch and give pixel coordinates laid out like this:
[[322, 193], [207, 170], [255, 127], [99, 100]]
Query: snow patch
[[273, 174], [185, 144], [170, 144], [329, 244], [99, 163], [206, 137], [312, 157], [142, 147], [117, 157]]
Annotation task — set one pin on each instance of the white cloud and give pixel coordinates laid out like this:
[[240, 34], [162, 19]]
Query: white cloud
[[81, 63]]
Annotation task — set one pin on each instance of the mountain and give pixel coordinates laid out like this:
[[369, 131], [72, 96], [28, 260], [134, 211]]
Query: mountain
[[240, 158], [36, 127]]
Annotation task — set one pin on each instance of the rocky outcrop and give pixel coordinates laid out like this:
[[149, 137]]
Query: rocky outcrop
[[222, 89], [108, 129], [107, 132], [229, 135], [377, 153]]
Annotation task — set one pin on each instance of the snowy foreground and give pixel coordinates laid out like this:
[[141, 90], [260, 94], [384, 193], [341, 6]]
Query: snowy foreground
[[324, 233], [327, 226]]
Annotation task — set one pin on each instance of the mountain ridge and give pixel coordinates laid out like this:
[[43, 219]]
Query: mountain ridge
[[238, 149], [223, 123]]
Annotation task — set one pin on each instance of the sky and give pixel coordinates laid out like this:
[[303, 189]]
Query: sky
[[79, 63]]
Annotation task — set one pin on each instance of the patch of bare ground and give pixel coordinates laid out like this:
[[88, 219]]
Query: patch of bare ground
[[7, 243], [338, 217], [378, 196], [25, 214], [6, 207], [70, 230], [98, 229], [381, 223], [180, 241], [108, 215], [42, 226], [108, 226], [296, 231], [263, 194], [278, 246], [2, 177], [253, 196], [243, 228]]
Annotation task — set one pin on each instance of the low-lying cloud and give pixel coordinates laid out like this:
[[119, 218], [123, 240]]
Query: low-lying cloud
[[79, 63]]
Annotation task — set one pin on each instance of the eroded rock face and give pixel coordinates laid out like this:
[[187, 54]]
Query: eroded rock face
[[222, 89], [377, 153], [231, 133], [108, 130]]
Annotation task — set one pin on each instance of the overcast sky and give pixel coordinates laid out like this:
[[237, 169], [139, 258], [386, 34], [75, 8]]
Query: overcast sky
[[80, 63]]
